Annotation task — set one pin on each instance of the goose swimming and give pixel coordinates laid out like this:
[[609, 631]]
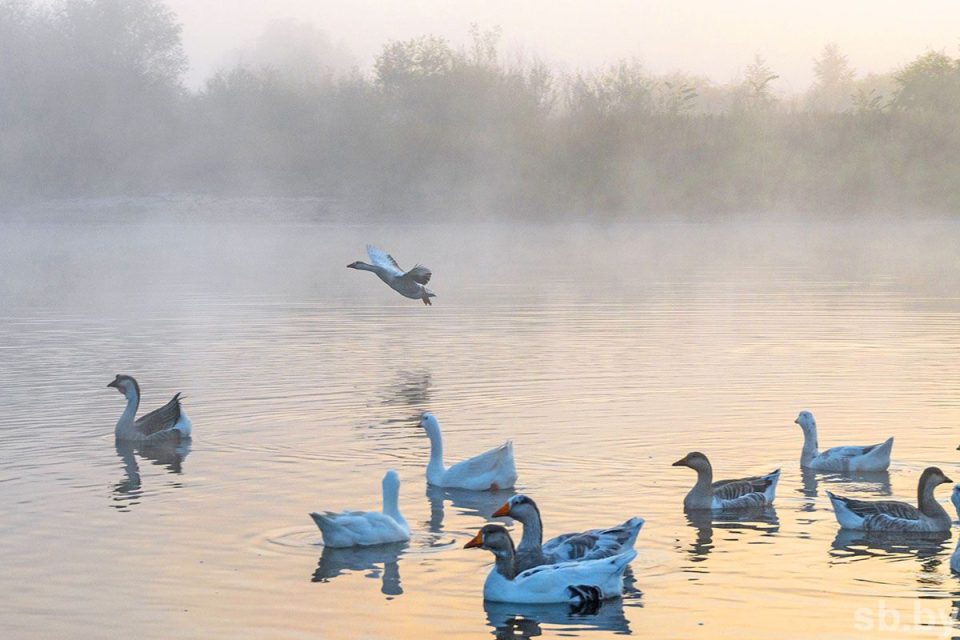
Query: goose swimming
[[366, 528], [890, 515], [586, 545], [167, 424], [490, 471], [874, 457], [955, 499], [573, 582], [744, 493], [410, 284]]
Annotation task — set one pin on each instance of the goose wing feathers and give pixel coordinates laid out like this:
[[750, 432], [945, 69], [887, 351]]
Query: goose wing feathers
[[731, 489], [160, 419], [594, 543], [484, 463], [888, 508], [419, 274], [358, 527], [384, 260]]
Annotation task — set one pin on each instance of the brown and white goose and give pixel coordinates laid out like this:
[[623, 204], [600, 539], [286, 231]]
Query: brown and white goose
[[584, 545], [891, 515], [167, 424], [744, 493], [573, 582], [409, 284]]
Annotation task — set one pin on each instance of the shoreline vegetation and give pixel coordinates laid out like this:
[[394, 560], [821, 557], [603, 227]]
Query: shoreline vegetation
[[93, 104]]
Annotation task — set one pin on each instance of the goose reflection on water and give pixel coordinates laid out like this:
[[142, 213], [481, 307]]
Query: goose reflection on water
[[468, 503], [510, 620], [170, 455], [411, 389], [381, 561], [875, 483], [851, 546], [763, 520]]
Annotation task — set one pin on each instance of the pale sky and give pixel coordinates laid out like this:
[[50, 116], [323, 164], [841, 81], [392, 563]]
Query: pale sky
[[715, 38]]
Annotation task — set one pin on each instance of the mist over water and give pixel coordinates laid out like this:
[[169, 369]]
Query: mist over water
[[630, 264], [605, 352]]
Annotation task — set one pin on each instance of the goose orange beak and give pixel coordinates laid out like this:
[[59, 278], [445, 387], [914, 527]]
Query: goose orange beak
[[502, 511], [475, 542]]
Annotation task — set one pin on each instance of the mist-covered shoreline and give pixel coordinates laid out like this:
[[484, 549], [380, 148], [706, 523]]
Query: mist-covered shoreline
[[94, 106]]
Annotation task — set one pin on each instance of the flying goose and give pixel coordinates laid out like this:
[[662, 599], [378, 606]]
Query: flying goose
[[573, 582], [890, 515], [488, 471], [874, 457], [410, 284], [365, 528], [167, 424], [744, 493], [586, 545]]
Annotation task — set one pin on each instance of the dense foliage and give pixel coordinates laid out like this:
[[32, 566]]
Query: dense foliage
[[92, 102]]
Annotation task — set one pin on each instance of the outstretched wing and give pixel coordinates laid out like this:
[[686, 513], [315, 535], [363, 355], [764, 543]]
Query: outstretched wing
[[163, 418], [419, 274], [384, 260]]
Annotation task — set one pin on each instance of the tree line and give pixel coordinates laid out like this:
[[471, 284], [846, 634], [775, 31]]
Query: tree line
[[92, 102]]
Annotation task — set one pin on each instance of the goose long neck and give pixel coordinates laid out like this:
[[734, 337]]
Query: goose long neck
[[927, 504], [704, 478], [130, 412], [532, 538], [363, 266], [505, 562], [435, 466], [391, 501], [811, 448]]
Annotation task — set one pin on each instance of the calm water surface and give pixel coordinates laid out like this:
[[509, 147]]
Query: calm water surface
[[604, 352]]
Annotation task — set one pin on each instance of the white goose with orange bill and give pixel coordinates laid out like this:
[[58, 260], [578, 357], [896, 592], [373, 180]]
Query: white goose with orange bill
[[744, 493], [409, 284], [586, 545], [590, 581], [167, 424], [874, 457], [928, 516]]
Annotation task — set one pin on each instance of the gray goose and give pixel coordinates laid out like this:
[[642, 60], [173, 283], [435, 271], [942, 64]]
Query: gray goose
[[167, 424], [744, 493], [928, 516]]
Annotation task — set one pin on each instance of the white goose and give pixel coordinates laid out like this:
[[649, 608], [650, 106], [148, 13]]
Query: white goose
[[744, 493], [890, 515], [586, 545], [874, 457], [573, 582], [490, 471], [955, 559], [365, 528], [410, 284], [167, 424]]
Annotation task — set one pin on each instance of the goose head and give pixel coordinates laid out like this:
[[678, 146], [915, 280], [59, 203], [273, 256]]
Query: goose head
[[126, 385], [493, 537], [695, 460], [519, 507], [806, 421], [391, 483], [933, 477], [429, 423], [354, 265]]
